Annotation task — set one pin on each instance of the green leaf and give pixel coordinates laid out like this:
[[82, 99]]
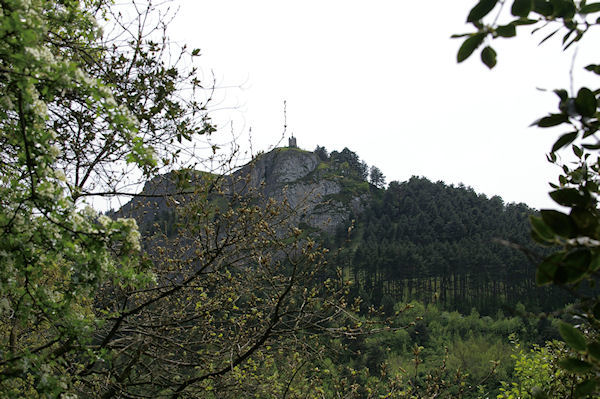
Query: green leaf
[[574, 365], [572, 336], [593, 68], [549, 36], [585, 221], [594, 350], [558, 222], [543, 7], [577, 151], [575, 39], [538, 225], [576, 264], [469, 45], [538, 393], [590, 8], [561, 276], [562, 94], [585, 388], [506, 30], [481, 9], [564, 141], [521, 8], [563, 9], [586, 102], [551, 120], [525, 21], [595, 263], [568, 197], [488, 57], [567, 36], [547, 269]]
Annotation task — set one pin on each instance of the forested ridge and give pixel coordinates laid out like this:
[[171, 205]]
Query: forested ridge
[[447, 245], [412, 240]]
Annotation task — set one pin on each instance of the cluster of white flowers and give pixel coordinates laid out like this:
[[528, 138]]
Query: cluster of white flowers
[[49, 190], [42, 55], [583, 241], [82, 77], [133, 236]]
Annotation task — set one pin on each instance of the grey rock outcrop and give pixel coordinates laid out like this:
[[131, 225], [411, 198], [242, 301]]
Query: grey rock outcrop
[[316, 196]]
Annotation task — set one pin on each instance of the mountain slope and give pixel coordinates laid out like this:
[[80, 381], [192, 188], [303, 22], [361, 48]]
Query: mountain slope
[[414, 240], [445, 244]]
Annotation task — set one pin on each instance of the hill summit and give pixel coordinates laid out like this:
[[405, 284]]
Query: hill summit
[[322, 192]]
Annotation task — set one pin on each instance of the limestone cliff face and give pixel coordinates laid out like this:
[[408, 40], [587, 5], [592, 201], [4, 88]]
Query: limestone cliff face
[[282, 165], [318, 197]]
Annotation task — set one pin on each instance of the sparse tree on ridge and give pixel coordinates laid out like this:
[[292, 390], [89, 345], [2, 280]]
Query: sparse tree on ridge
[[322, 153], [376, 177]]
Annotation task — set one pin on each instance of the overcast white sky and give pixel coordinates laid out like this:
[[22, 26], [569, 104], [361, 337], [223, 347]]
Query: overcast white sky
[[380, 77]]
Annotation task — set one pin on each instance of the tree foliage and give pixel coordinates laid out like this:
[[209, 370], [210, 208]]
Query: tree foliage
[[86, 306], [350, 164], [54, 252], [438, 243], [576, 231], [376, 177]]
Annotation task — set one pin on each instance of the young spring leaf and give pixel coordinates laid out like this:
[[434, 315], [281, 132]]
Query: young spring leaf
[[488, 57]]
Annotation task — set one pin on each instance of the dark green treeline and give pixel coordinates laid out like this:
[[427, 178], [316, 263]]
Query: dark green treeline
[[431, 242]]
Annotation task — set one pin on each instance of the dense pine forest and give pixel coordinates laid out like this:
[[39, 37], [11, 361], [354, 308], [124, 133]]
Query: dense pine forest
[[445, 245]]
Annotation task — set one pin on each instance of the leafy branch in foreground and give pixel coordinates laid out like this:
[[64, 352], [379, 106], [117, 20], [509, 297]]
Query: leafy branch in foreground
[[85, 307], [575, 234], [236, 283]]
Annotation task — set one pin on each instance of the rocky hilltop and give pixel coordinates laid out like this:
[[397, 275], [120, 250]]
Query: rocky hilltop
[[322, 193]]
